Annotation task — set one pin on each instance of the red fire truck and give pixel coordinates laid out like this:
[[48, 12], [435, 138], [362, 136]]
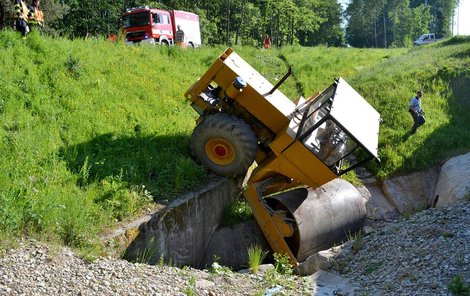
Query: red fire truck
[[157, 26]]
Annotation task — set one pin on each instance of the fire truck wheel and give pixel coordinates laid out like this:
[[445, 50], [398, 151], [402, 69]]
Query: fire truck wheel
[[224, 144]]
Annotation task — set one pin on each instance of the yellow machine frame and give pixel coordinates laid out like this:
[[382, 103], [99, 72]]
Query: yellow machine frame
[[284, 162]]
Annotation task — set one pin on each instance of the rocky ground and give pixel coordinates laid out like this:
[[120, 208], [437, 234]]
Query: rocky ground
[[419, 255], [36, 269]]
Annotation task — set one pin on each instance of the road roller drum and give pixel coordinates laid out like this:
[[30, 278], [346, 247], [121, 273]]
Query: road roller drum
[[322, 217]]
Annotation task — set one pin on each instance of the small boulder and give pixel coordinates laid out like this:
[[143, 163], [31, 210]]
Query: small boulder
[[318, 261], [453, 184]]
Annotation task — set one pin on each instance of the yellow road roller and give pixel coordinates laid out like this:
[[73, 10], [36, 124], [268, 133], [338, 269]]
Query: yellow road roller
[[244, 119]]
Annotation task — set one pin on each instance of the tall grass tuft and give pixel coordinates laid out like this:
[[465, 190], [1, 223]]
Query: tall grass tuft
[[256, 257]]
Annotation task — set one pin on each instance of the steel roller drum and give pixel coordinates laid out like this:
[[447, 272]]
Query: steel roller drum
[[323, 216]]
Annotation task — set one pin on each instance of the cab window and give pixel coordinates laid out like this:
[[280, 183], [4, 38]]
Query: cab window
[[165, 19], [155, 18]]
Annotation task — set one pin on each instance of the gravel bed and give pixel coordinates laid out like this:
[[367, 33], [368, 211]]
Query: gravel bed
[[36, 269], [419, 255]]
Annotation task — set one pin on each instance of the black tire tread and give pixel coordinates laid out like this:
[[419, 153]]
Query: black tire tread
[[233, 129]]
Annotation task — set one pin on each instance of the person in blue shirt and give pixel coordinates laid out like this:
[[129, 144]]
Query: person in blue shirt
[[417, 112]]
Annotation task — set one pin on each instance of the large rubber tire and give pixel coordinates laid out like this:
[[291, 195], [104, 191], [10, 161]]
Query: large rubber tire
[[224, 144]]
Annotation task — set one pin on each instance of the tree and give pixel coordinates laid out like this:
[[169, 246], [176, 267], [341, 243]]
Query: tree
[[355, 33], [92, 17], [422, 17], [399, 19], [308, 22], [330, 32], [396, 22], [311, 15], [54, 13], [6, 13], [441, 13], [327, 26]]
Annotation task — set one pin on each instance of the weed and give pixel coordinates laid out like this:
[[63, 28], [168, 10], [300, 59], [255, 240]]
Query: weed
[[191, 288], [161, 261], [7, 242], [447, 234], [73, 67], [217, 268], [84, 172], [372, 267], [467, 194], [457, 286], [357, 239], [272, 278], [145, 255], [460, 261], [340, 265], [236, 212], [185, 168], [282, 264], [408, 213], [256, 256], [352, 178], [89, 257], [388, 286]]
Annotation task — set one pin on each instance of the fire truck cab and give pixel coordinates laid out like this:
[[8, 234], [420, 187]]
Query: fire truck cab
[[157, 26]]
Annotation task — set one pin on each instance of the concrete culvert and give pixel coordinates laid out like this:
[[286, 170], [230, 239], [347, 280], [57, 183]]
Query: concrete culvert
[[322, 217]]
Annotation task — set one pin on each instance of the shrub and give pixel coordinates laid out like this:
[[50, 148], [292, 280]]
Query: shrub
[[282, 264]]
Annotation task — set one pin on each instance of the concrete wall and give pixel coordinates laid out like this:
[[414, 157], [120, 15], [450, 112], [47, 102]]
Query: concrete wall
[[230, 244], [179, 233]]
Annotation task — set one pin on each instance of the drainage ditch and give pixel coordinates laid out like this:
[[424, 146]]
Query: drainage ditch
[[189, 231]]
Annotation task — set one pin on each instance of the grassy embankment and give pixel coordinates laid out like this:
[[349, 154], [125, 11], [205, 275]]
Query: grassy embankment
[[91, 131], [442, 71]]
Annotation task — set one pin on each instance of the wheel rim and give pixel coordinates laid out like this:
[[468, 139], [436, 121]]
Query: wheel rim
[[220, 151]]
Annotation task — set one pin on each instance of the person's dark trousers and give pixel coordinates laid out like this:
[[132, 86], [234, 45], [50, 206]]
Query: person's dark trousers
[[22, 27], [418, 119]]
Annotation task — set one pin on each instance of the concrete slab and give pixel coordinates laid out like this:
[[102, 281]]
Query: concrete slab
[[413, 192], [327, 283]]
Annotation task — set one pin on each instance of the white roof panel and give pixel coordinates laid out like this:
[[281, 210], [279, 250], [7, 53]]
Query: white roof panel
[[357, 116]]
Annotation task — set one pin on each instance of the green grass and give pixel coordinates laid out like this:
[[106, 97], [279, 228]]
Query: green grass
[[442, 72], [256, 257], [90, 131]]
